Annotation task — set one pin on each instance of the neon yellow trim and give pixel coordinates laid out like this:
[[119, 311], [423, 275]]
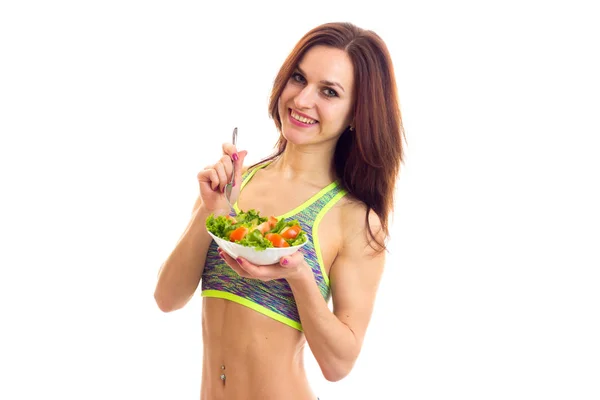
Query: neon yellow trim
[[315, 232], [245, 181], [251, 174], [250, 304], [309, 201]]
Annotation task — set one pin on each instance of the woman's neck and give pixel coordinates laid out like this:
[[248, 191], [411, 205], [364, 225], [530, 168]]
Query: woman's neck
[[314, 165]]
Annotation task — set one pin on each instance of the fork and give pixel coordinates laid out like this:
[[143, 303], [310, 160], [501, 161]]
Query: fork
[[229, 185]]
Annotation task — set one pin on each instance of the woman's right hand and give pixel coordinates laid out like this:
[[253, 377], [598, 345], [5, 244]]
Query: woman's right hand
[[213, 178]]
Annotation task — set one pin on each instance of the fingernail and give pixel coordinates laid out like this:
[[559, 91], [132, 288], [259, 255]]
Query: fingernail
[[235, 157], [239, 260], [284, 261]]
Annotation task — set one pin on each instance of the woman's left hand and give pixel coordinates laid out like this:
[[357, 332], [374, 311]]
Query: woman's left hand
[[288, 267]]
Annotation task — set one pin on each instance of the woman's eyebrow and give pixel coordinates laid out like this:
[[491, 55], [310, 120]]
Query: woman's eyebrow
[[324, 82]]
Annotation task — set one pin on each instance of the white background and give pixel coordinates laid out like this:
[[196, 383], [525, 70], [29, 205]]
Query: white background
[[109, 109]]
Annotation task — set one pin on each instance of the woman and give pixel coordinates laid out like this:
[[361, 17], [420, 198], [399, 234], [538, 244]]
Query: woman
[[335, 106]]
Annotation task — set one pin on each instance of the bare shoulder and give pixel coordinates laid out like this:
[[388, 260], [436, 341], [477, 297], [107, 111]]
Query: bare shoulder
[[357, 228]]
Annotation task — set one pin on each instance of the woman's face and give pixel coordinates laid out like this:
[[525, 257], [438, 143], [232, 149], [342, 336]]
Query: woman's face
[[316, 103]]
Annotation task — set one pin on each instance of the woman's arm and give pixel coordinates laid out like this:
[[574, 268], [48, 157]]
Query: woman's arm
[[180, 274], [336, 338]]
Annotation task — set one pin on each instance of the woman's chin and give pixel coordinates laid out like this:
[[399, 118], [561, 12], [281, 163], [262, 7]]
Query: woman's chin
[[297, 136]]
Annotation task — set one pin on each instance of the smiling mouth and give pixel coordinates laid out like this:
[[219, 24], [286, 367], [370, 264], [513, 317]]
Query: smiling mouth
[[303, 119]]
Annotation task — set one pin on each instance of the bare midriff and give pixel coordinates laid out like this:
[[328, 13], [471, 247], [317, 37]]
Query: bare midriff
[[264, 362]]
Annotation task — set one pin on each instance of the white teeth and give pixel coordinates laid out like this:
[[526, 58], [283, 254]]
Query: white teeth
[[302, 119]]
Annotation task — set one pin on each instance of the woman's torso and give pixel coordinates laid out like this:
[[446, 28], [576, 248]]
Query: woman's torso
[[262, 357]]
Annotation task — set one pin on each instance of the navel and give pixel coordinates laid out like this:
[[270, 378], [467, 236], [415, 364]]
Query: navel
[[223, 377]]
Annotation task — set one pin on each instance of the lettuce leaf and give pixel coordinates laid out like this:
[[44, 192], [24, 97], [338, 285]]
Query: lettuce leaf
[[219, 226]]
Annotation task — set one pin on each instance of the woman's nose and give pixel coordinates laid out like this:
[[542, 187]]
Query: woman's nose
[[305, 99]]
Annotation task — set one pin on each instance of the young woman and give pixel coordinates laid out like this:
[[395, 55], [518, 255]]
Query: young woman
[[335, 105]]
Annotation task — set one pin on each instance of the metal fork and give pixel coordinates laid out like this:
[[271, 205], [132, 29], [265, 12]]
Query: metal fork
[[229, 185]]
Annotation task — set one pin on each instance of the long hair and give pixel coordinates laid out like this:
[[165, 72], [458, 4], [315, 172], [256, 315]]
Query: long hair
[[367, 158]]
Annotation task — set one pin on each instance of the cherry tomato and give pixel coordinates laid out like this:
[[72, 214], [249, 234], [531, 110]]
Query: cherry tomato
[[277, 240], [290, 232], [238, 234]]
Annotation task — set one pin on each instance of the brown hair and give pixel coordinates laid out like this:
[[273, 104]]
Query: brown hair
[[367, 158]]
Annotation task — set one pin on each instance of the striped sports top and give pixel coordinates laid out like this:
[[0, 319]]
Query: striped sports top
[[274, 298]]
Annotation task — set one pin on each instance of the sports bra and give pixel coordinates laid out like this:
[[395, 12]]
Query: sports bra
[[274, 298]]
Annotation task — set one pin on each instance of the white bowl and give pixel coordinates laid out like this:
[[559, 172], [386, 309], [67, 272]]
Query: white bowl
[[272, 255]]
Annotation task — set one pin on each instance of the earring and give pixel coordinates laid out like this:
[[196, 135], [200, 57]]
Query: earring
[[351, 128]]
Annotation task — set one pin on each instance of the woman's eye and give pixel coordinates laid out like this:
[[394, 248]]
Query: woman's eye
[[297, 77], [330, 92]]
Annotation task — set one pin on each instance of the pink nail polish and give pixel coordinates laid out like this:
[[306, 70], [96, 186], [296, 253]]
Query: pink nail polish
[[239, 260], [235, 157], [284, 262]]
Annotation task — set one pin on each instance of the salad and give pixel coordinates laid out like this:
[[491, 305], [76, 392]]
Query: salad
[[251, 230]]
